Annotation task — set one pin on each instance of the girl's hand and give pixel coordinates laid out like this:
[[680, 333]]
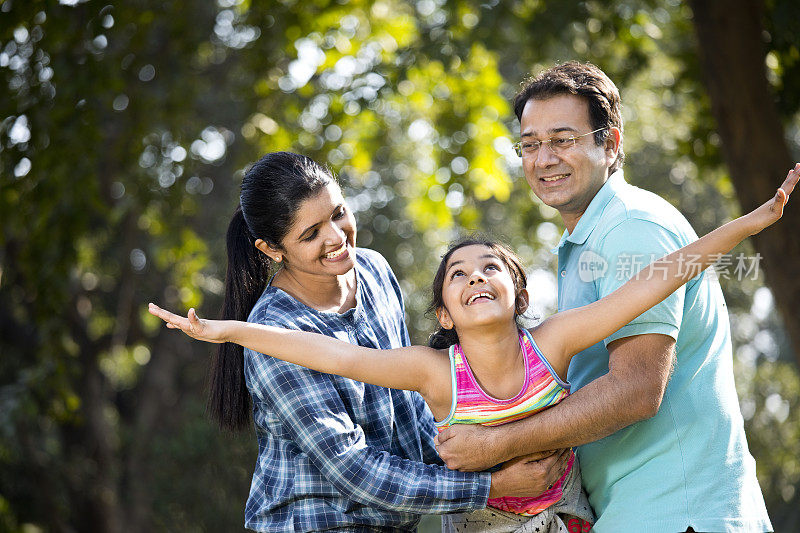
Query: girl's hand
[[772, 210], [203, 330]]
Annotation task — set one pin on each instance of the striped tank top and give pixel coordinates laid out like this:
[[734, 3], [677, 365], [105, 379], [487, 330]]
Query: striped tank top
[[541, 389]]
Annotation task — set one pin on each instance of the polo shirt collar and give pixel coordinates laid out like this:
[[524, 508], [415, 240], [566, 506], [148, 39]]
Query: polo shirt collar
[[591, 217]]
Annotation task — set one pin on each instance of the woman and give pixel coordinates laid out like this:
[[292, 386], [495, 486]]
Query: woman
[[333, 453]]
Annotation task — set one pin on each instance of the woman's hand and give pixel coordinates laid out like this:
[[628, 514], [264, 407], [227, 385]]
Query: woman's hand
[[772, 210], [530, 475], [203, 330]]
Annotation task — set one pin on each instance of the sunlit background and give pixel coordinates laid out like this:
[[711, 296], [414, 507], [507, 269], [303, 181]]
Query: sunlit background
[[124, 131]]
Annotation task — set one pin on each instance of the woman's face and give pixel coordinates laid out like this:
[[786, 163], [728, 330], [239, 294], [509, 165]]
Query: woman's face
[[322, 238]]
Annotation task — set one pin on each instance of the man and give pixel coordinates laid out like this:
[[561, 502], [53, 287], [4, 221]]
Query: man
[[654, 409]]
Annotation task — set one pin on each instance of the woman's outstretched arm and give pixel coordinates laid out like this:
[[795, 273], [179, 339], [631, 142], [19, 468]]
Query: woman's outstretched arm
[[416, 368], [566, 333]]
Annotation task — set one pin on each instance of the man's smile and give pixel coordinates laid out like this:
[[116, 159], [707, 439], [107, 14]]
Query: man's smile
[[556, 177]]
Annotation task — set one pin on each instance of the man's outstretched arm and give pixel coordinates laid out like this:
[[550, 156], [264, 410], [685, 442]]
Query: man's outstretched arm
[[632, 390]]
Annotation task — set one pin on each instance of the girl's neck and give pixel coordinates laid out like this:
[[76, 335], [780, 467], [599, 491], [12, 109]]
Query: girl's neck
[[496, 359], [335, 294]]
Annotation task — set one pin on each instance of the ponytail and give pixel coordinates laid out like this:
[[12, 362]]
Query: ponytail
[[248, 272], [273, 190], [443, 338]]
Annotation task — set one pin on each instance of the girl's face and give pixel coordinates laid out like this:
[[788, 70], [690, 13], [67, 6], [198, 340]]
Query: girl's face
[[478, 289], [322, 239]]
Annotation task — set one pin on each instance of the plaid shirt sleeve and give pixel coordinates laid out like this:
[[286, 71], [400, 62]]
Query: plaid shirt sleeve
[[427, 431], [309, 406]]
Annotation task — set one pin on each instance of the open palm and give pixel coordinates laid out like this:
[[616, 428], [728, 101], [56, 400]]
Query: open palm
[[192, 325], [772, 210]]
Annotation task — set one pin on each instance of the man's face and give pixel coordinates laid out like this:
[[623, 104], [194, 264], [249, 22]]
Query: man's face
[[567, 181]]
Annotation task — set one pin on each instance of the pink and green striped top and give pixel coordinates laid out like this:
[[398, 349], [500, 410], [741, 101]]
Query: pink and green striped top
[[541, 389]]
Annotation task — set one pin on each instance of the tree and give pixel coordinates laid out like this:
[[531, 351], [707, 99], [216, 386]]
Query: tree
[[112, 125], [746, 108]]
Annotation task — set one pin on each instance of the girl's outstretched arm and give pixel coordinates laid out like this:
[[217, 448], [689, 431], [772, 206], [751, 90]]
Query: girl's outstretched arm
[[416, 368], [566, 333]]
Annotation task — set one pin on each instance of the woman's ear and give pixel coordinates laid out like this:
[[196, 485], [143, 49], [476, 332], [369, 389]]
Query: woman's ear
[[444, 318], [269, 251], [522, 302]]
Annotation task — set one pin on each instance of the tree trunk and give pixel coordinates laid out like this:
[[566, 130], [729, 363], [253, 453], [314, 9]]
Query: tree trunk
[[100, 501], [732, 54]]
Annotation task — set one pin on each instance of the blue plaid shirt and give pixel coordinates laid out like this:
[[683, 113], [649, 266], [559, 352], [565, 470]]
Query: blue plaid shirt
[[338, 453]]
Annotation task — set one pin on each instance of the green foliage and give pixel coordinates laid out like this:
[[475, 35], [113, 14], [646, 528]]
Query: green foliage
[[771, 407], [124, 127], [97, 189], [221, 466], [783, 57]]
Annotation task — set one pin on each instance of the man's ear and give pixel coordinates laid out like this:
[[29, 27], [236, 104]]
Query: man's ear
[[613, 144], [444, 318], [522, 301], [273, 253]]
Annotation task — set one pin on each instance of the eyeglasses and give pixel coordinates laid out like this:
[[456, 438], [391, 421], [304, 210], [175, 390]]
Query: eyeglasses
[[558, 145]]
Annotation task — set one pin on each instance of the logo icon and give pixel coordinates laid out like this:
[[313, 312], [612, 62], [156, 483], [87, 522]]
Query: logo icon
[[591, 266]]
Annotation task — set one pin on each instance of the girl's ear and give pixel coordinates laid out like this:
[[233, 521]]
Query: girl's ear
[[522, 301], [444, 318], [269, 251]]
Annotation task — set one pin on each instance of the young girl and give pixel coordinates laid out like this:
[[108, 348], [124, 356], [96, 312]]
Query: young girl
[[493, 372]]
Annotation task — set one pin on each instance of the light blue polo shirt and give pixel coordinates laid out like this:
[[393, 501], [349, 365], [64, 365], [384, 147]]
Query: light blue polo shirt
[[689, 465]]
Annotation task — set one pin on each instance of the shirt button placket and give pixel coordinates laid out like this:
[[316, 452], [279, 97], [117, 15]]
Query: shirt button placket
[[351, 332]]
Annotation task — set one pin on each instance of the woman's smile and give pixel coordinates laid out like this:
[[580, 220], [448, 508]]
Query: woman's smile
[[339, 254]]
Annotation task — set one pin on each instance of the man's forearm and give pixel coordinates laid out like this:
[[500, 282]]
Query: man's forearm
[[595, 411], [630, 392]]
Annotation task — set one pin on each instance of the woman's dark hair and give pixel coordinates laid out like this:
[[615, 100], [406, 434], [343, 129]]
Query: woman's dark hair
[[587, 81], [444, 338], [272, 191]]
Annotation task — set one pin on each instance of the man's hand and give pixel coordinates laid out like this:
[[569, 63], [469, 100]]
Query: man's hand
[[529, 476], [468, 447]]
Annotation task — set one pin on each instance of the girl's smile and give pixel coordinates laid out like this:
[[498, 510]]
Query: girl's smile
[[478, 297]]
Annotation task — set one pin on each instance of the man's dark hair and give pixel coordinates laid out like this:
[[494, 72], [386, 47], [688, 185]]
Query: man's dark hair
[[581, 79]]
